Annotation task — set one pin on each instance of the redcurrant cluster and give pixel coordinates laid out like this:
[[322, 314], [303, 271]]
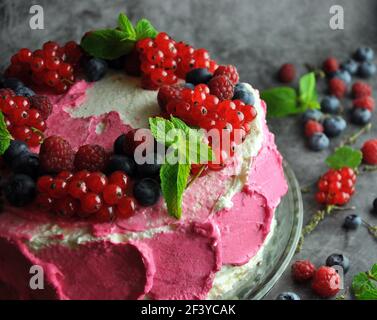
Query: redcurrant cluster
[[336, 187], [51, 67], [89, 195], [199, 108], [163, 60], [22, 120]]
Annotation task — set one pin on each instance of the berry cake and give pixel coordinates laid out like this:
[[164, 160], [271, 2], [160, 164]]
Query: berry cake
[[98, 223]]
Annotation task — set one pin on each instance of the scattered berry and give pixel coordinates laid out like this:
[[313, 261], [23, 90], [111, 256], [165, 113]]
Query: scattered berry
[[91, 157], [330, 65], [287, 73], [361, 89], [312, 114], [147, 192], [330, 104], [369, 151], [288, 296], [360, 116], [334, 126], [19, 190], [367, 70], [365, 103], [221, 87], [351, 66], [303, 270], [337, 87], [364, 54], [312, 127], [343, 75], [352, 222], [95, 69], [319, 142], [338, 260], [326, 282], [229, 71]]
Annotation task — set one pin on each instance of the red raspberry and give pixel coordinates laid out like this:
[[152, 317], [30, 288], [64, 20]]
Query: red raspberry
[[42, 104], [91, 157], [287, 73], [330, 65], [166, 94], [364, 103], [369, 151], [229, 71], [361, 89], [303, 270], [337, 87], [221, 87], [56, 154], [312, 127], [326, 282]]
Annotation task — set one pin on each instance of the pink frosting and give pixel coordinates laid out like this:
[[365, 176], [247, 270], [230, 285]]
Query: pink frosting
[[178, 264]]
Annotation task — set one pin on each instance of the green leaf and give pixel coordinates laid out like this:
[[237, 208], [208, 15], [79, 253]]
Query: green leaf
[[345, 157], [281, 101], [364, 285], [163, 131], [173, 184], [126, 26], [144, 29], [107, 44], [5, 136], [307, 89]]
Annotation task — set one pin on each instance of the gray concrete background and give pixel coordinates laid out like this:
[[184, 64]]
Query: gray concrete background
[[257, 36]]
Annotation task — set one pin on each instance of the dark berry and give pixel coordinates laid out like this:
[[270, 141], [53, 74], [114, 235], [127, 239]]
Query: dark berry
[[198, 76], [312, 114], [121, 163], [189, 86], [334, 126], [26, 163], [95, 69], [13, 83], [116, 64], [287, 73], [330, 104], [24, 91], [319, 141], [288, 296], [152, 167], [241, 92], [119, 143], [302, 270], [364, 54], [20, 190], [369, 150], [147, 192], [351, 66], [343, 75], [360, 116], [367, 69], [352, 222], [338, 260], [15, 149], [330, 65]]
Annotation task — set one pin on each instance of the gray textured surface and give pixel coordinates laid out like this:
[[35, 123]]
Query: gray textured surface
[[257, 36]]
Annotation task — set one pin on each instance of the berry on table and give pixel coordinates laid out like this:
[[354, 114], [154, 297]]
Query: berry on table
[[95, 69], [229, 71], [369, 150], [19, 190], [221, 87], [330, 104], [312, 127], [367, 70], [303, 270], [288, 296], [365, 103], [343, 75], [91, 157], [361, 89], [312, 114], [337, 87], [360, 116], [364, 54], [147, 192], [287, 73], [334, 126], [326, 282], [337, 259], [352, 222], [330, 65], [198, 76], [318, 142], [351, 66]]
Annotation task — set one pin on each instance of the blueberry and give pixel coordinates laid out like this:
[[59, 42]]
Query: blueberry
[[116, 64], [360, 116], [24, 91], [338, 260], [198, 76], [13, 83], [367, 69], [26, 163], [147, 192], [330, 104], [343, 75], [189, 86], [364, 54], [334, 126], [318, 142], [15, 149], [312, 114], [95, 69], [150, 169], [119, 144], [121, 163], [352, 222], [20, 190], [351, 66], [288, 296], [243, 94]]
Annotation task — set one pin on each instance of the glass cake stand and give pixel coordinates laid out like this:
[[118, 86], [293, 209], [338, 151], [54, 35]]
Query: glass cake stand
[[280, 248]]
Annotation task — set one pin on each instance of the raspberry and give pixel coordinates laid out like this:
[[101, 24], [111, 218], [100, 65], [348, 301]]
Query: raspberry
[[42, 104], [303, 270], [91, 158], [361, 89], [364, 103], [221, 87], [330, 65], [337, 87], [369, 151], [56, 154], [312, 127], [326, 282], [229, 71], [166, 94], [287, 73]]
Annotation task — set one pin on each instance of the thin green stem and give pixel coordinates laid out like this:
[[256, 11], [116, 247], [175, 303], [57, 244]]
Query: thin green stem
[[196, 176], [353, 138]]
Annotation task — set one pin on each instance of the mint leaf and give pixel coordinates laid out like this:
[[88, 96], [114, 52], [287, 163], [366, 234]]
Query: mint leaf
[[126, 26], [308, 96], [345, 157], [163, 131], [5, 136], [281, 101], [364, 285], [108, 44], [144, 29], [173, 184]]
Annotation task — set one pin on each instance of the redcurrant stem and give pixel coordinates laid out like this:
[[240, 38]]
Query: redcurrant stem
[[317, 71], [353, 138], [367, 168], [67, 81], [372, 229], [196, 176]]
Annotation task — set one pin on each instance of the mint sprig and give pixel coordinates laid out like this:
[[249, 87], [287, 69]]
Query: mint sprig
[[345, 157], [286, 101], [364, 284], [111, 44], [186, 147], [5, 136]]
